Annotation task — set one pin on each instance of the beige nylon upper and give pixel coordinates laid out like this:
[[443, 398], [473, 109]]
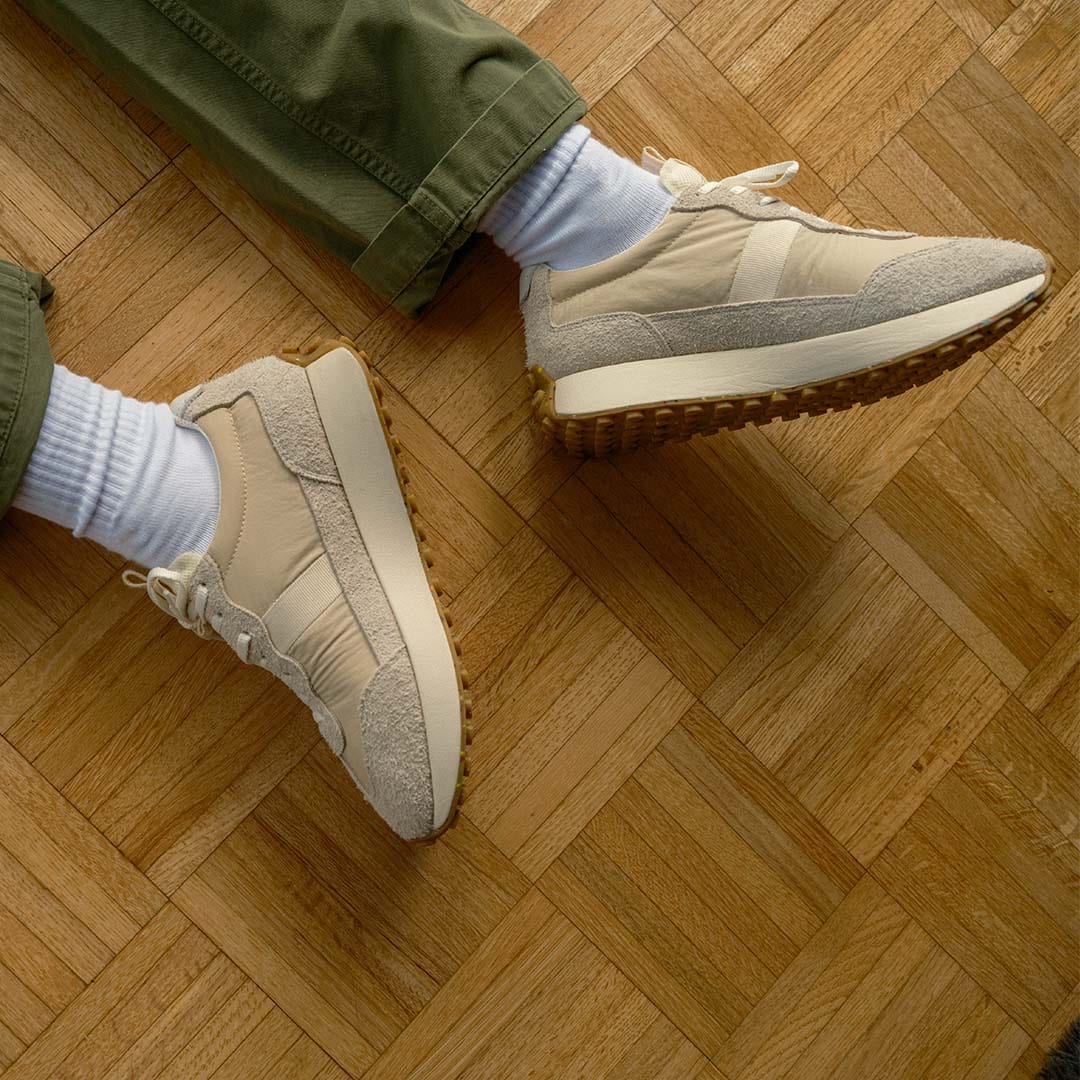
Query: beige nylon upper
[[265, 535], [691, 259], [266, 538]]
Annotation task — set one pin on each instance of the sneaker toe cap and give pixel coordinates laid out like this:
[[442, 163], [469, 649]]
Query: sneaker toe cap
[[942, 274], [396, 750]]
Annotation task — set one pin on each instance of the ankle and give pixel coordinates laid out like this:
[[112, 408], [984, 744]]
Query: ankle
[[121, 472], [579, 204]]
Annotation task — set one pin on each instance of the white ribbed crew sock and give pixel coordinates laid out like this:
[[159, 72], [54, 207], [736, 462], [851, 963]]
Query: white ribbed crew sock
[[121, 472], [578, 204]]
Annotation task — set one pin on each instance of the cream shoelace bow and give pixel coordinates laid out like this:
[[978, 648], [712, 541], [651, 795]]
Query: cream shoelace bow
[[169, 590], [683, 179]]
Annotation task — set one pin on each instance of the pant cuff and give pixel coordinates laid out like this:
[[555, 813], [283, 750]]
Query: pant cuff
[[26, 367], [409, 256]]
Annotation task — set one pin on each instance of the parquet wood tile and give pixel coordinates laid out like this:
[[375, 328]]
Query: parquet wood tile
[[981, 864], [1052, 690], [992, 496], [872, 977], [332, 290], [349, 929], [69, 903], [701, 878], [1039, 362], [652, 553], [857, 696], [776, 769], [564, 714]]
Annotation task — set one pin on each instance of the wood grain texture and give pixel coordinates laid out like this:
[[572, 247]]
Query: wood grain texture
[[776, 770]]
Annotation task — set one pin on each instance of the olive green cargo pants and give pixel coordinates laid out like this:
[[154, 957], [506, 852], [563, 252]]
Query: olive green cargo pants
[[25, 371], [384, 129]]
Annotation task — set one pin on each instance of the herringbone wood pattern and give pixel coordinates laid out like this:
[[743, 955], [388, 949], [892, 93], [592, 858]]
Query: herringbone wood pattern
[[775, 772]]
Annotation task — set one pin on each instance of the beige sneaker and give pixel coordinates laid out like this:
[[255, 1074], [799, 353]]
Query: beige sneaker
[[739, 308], [315, 574]]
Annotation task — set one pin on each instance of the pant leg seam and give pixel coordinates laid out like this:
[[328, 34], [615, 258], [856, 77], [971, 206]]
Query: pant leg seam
[[448, 239], [20, 389], [236, 61], [424, 189]]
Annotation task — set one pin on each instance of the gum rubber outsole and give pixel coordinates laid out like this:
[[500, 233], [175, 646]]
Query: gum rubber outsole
[[603, 433], [308, 355]]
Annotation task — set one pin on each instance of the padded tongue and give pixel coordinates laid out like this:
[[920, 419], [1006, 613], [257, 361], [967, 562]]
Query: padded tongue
[[185, 565]]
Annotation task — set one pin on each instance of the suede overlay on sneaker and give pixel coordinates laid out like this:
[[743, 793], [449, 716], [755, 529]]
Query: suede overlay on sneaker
[[264, 415]]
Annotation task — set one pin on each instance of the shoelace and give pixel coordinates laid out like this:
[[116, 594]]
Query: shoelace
[[683, 179], [168, 589], [767, 176]]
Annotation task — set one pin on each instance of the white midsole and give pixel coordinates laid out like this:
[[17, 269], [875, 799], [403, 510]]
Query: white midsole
[[354, 430], [738, 372]]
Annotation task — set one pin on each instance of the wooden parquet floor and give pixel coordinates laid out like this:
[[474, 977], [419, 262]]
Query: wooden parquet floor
[[776, 758]]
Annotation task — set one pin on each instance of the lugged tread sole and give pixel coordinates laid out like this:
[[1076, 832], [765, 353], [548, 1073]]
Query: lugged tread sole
[[308, 355], [643, 426]]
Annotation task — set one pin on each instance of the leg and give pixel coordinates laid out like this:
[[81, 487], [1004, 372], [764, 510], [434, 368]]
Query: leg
[[657, 304], [271, 508], [101, 464], [25, 372], [120, 472], [383, 129], [736, 308]]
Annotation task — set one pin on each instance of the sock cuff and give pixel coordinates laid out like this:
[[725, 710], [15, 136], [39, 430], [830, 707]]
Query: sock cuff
[[64, 478], [579, 204], [188, 477], [121, 472], [531, 191], [153, 461]]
